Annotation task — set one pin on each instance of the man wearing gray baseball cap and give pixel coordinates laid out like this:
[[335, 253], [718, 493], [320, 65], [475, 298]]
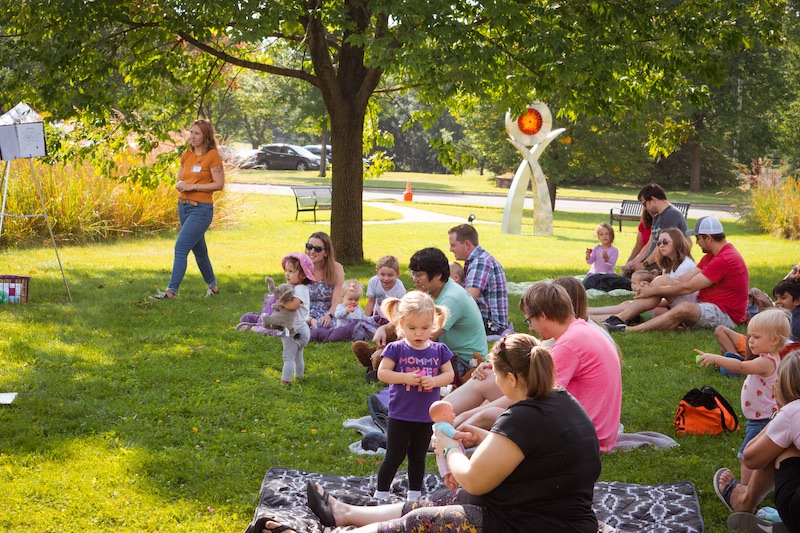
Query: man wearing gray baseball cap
[[721, 279]]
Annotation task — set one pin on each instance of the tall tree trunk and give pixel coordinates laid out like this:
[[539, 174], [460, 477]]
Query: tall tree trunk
[[694, 175], [323, 156], [346, 89], [347, 184], [699, 119], [551, 188]]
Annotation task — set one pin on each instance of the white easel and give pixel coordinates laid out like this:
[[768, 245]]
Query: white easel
[[26, 141]]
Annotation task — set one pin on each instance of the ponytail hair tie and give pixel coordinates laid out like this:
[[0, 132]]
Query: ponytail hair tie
[[352, 286]]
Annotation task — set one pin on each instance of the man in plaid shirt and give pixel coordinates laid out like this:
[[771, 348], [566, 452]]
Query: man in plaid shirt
[[485, 278]]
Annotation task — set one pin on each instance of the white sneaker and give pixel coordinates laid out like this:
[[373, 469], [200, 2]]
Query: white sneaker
[[413, 495]]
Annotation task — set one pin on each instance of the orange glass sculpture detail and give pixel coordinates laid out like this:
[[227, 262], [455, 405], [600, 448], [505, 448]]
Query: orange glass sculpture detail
[[531, 122]]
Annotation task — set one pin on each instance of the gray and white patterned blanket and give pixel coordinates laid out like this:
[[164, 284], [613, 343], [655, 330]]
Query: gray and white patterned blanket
[[667, 508]]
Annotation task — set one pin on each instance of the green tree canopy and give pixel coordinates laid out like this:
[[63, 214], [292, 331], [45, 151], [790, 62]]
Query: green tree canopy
[[153, 61]]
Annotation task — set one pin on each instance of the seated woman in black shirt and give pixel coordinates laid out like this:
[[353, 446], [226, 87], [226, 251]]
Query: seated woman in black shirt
[[534, 471]]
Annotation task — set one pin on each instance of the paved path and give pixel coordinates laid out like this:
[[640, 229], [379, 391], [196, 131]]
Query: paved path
[[412, 214]]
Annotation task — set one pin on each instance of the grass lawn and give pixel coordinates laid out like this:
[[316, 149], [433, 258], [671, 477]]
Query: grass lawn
[[159, 416], [470, 182]]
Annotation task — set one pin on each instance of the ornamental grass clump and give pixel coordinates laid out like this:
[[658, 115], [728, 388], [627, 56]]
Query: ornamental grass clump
[[84, 207], [775, 209]]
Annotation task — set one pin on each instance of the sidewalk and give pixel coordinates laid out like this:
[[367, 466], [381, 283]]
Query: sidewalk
[[570, 205]]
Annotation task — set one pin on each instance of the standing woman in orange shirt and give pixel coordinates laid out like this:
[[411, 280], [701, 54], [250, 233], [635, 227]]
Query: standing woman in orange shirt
[[199, 175]]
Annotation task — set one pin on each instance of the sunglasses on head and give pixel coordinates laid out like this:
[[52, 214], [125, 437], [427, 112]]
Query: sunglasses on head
[[501, 353], [317, 249], [663, 242]]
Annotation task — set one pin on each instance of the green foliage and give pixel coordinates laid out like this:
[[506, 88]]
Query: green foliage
[[774, 208], [155, 63], [717, 170]]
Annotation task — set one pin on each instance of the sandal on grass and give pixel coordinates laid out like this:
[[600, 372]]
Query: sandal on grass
[[319, 504], [212, 292], [725, 493]]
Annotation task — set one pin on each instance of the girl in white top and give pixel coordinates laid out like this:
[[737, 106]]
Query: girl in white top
[[767, 334], [773, 457], [674, 258], [299, 271]]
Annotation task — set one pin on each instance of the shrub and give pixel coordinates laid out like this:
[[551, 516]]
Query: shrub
[[775, 209], [84, 207]]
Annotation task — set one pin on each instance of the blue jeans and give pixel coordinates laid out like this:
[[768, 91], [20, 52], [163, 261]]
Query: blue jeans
[[752, 429], [195, 220]]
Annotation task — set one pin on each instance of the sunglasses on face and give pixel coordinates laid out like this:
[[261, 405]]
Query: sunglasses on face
[[664, 242], [318, 249]]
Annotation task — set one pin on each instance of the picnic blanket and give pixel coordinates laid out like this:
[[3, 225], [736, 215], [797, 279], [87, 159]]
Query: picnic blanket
[[522, 286], [671, 507]]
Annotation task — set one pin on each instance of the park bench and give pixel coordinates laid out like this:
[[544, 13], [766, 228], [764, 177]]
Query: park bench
[[312, 198], [632, 210]]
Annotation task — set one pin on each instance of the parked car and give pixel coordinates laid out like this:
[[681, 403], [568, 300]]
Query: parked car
[[316, 149], [286, 157], [247, 158], [228, 154]]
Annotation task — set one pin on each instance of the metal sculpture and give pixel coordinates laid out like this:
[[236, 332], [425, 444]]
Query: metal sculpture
[[530, 134]]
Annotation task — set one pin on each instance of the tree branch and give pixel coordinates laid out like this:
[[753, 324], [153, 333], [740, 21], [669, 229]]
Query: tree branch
[[253, 65]]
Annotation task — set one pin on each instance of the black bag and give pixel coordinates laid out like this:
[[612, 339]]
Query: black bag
[[704, 411]]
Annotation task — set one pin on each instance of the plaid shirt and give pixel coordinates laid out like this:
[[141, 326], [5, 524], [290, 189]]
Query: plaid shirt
[[484, 273]]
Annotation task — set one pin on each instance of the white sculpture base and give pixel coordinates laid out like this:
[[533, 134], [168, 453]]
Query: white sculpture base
[[529, 168]]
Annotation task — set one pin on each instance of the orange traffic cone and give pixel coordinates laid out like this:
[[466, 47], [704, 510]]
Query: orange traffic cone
[[408, 195]]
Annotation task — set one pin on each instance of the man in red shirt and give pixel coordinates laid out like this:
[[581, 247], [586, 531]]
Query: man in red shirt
[[721, 278]]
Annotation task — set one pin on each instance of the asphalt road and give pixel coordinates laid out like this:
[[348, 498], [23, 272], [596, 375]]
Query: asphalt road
[[572, 205]]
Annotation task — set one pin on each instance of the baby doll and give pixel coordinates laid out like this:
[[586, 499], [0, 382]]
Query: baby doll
[[443, 418]]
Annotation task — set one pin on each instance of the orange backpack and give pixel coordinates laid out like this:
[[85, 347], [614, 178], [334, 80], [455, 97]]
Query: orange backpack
[[704, 411]]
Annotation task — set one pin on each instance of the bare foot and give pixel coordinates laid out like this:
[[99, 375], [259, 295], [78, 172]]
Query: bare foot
[[271, 526], [737, 494], [338, 509]]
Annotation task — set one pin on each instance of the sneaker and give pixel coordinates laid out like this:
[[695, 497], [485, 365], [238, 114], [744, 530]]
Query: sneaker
[[212, 292], [614, 323], [378, 412], [750, 522], [245, 326], [161, 295]]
